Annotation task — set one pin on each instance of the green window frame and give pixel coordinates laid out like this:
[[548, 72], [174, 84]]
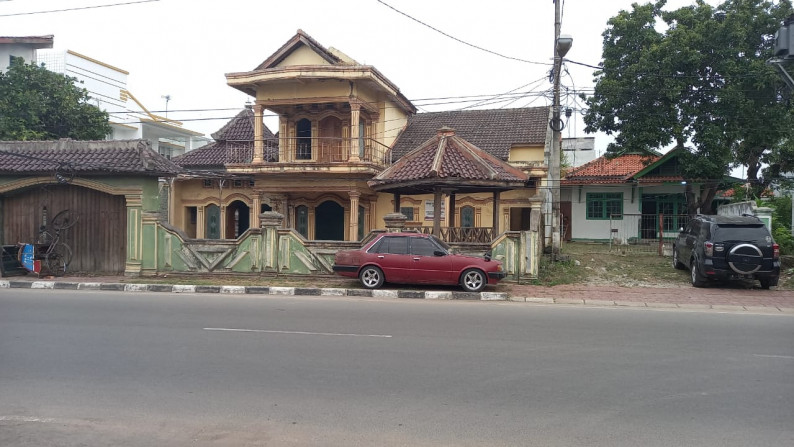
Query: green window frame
[[603, 205]]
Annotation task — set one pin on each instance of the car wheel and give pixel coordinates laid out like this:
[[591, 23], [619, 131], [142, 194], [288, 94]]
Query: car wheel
[[371, 277], [697, 279], [473, 280], [676, 262]]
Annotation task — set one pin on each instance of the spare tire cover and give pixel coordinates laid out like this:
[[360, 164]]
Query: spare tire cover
[[745, 258]]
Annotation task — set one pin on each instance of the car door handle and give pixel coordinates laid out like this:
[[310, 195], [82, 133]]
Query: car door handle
[[416, 259], [381, 256]]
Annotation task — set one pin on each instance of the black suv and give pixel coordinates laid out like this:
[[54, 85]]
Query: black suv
[[727, 247]]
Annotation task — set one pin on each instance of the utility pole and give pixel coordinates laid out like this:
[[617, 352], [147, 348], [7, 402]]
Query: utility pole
[[561, 46]]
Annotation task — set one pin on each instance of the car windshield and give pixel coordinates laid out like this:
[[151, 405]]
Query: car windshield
[[740, 233], [441, 243]]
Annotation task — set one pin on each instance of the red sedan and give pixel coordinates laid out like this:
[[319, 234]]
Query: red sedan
[[414, 258]]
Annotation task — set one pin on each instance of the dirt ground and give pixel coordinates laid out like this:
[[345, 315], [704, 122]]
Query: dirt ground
[[594, 264]]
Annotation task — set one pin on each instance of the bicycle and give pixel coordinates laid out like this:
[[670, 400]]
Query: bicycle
[[57, 255]]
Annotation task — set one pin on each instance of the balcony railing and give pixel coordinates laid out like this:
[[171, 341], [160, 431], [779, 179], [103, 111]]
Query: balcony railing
[[478, 235], [312, 150]]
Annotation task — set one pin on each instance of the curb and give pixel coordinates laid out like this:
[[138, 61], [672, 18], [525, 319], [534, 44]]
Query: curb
[[382, 293], [254, 290]]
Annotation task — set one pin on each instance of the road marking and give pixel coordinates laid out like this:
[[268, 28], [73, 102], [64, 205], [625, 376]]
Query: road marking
[[222, 329], [25, 419], [775, 356]]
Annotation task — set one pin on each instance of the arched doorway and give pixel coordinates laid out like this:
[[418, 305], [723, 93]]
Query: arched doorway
[[329, 222], [237, 219]]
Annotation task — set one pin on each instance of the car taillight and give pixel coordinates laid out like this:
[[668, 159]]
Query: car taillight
[[708, 248], [775, 251]]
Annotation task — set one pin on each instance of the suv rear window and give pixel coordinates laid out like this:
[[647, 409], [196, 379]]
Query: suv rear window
[[740, 232]]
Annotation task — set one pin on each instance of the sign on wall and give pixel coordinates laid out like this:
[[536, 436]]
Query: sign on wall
[[429, 210]]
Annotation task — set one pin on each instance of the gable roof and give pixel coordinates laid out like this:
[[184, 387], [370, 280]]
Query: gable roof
[[232, 142], [447, 159], [84, 158], [31, 41], [298, 40], [494, 131], [609, 170]]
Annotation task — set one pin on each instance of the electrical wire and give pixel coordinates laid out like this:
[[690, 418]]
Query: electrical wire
[[76, 9], [459, 40]]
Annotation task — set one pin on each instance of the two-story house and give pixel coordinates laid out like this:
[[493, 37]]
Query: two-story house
[[340, 123]]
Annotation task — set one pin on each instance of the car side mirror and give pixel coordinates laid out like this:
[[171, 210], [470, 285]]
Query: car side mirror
[[487, 256], [439, 253]]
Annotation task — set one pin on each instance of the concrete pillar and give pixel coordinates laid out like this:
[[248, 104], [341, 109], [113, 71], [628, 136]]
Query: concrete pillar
[[395, 222], [437, 197], [355, 117], [259, 139], [354, 196]]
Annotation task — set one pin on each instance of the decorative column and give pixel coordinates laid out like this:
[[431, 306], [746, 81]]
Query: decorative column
[[259, 139], [255, 208], [354, 195], [200, 223], [355, 117], [223, 222], [397, 202], [270, 221]]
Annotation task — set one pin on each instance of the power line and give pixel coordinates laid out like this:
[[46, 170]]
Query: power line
[[459, 40], [75, 9]]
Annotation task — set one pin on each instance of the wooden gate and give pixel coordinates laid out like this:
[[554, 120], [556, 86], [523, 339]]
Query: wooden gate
[[98, 240]]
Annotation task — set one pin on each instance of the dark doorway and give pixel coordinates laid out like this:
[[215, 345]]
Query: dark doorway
[[237, 219], [329, 222]]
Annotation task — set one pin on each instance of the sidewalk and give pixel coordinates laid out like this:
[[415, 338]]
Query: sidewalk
[[731, 297]]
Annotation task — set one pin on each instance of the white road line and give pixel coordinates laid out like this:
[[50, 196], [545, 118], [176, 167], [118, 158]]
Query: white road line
[[25, 419], [221, 329], [775, 356]]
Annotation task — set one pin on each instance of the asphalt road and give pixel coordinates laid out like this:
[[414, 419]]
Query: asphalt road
[[148, 369]]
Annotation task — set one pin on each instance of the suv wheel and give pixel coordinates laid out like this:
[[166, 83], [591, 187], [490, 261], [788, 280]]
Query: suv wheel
[[698, 280], [766, 283], [677, 262]]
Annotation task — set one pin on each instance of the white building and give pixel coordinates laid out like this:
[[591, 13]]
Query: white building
[[25, 47], [107, 86]]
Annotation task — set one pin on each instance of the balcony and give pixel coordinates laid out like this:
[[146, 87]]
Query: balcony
[[324, 150]]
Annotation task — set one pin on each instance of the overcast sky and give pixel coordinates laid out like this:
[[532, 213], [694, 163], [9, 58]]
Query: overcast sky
[[183, 48]]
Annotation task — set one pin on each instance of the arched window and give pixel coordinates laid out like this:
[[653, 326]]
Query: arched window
[[303, 150]]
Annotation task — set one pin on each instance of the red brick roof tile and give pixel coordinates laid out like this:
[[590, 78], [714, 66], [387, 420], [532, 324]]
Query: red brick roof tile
[[609, 170], [447, 157]]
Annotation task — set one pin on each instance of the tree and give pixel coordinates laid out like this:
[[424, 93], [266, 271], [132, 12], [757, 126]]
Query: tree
[[38, 104], [695, 78]]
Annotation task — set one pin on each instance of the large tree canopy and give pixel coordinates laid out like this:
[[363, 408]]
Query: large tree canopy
[[696, 78], [38, 104]]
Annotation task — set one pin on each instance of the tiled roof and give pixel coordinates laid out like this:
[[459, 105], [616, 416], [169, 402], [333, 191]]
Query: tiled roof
[[84, 158], [447, 158], [494, 131], [609, 170], [237, 133]]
